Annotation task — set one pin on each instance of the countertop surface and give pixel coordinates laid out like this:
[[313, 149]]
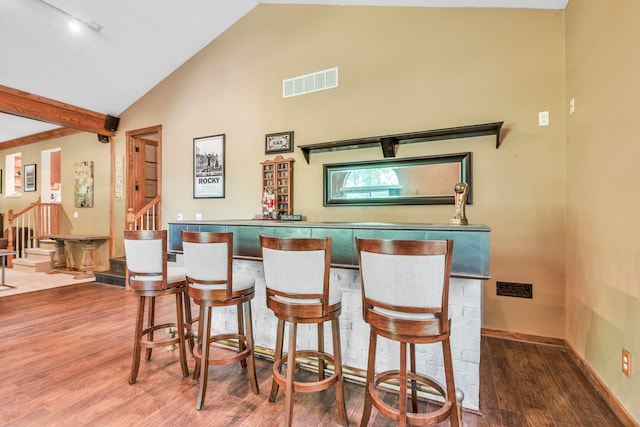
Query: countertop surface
[[330, 224]]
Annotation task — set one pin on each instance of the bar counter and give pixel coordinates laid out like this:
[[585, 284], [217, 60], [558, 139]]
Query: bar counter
[[470, 251], [470, 267]]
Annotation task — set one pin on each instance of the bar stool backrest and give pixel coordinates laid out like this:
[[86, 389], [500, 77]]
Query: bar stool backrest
[[406, 276], [296, 270], [146, 256], [208, 258]]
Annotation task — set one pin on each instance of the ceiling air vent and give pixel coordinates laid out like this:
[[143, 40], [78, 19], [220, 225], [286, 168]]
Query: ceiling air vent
[[320, 80]]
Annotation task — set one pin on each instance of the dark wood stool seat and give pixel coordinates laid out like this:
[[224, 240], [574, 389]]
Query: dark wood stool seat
[[296, 275], [208, 258], [405, 294], [150, 278]]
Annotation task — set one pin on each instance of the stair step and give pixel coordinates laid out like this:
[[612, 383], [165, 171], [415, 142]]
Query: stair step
[[48, 244], [29, 265], [39, 254], [118, 265], [110, 277]]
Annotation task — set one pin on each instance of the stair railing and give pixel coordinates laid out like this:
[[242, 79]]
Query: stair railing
[[149, 217], [29, 225]]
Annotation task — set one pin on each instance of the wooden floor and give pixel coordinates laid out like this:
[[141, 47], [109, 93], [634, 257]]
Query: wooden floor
[[65, 356]]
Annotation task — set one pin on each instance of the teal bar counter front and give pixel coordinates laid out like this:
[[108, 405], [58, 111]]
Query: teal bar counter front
[[470, 250]]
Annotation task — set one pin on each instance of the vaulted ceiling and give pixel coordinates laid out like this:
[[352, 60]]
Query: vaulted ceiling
[[54, 80]]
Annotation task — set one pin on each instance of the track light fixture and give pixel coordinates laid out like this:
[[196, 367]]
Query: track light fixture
[[74, 19]]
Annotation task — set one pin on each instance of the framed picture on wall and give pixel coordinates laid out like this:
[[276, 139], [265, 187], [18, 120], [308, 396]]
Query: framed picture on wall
[[83, 184], [1, 183], [281, 142], [208, 167], [30, 177]]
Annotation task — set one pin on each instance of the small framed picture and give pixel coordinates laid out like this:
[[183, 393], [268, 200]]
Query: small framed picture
[[30, 177], [281, 142]]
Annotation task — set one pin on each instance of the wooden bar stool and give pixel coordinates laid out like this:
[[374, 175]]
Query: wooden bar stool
[[208, 259], [405, 298], [296, 273], [150, 277]]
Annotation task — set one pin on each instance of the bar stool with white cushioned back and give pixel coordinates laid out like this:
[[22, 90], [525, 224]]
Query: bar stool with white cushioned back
[[296, 272], [208, 259], [150, 277], [405, 294]]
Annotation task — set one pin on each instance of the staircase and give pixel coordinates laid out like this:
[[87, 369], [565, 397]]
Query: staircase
[[37, 260], [116, 273]]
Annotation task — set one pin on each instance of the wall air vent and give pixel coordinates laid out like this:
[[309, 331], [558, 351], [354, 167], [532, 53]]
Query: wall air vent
[[518, 290], [314, 82]]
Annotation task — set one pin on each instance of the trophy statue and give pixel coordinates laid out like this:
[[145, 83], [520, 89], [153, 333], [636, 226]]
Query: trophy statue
[[460, 195]]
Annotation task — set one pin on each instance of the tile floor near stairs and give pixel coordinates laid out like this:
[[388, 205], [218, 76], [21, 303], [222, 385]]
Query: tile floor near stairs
[[25, 281]]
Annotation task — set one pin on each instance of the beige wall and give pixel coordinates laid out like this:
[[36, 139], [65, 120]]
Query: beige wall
[[76, 148], [603, 259], [401, 70], [411, 69]]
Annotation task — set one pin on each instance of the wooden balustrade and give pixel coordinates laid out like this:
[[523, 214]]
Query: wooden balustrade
[[148, 218], [29, 225]]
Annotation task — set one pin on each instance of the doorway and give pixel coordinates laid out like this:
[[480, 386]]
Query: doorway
[[144, 148], [13, 176], [50, 177]]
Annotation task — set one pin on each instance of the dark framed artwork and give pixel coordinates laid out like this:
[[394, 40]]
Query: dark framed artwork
[[208, 167], [281, 142], [1, 183], [30, 177]]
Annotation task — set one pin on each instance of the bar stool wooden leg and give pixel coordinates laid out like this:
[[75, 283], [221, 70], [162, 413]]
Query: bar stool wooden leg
[[196, 369], [337, 358], [181, 340], [189, 320], [414, 383], [291, 372], [454, 418], [371, 366], [204, 359], [243, 362], [402, 400], [277, 357], [135, 365], [253, 378], [150, 323], [321, 363]]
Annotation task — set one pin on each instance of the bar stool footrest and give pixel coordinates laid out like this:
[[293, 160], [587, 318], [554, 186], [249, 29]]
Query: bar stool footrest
[[146, 342], [231, 355], [426, 418], [306, 386]]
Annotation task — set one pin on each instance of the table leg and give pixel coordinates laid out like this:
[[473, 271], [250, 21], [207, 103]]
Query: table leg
[[59, 258], [87, 261], [4, 262]]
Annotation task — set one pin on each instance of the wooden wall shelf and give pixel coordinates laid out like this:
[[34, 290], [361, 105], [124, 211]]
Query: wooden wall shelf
[[389, 143], [277, 175]]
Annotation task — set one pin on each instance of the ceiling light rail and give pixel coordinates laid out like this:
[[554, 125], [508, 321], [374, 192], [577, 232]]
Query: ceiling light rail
[[94, 26]]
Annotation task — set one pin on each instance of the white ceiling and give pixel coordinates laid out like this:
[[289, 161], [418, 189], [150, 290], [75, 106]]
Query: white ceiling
[[141, 42]]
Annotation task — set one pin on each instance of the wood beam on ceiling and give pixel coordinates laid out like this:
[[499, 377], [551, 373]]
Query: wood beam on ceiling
[[24, 104], [38, 137]]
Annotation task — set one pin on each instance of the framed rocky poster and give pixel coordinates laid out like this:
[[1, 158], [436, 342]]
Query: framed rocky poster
[[208, 167]]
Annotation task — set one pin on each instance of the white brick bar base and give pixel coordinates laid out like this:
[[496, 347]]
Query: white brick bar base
[[465, 302]]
